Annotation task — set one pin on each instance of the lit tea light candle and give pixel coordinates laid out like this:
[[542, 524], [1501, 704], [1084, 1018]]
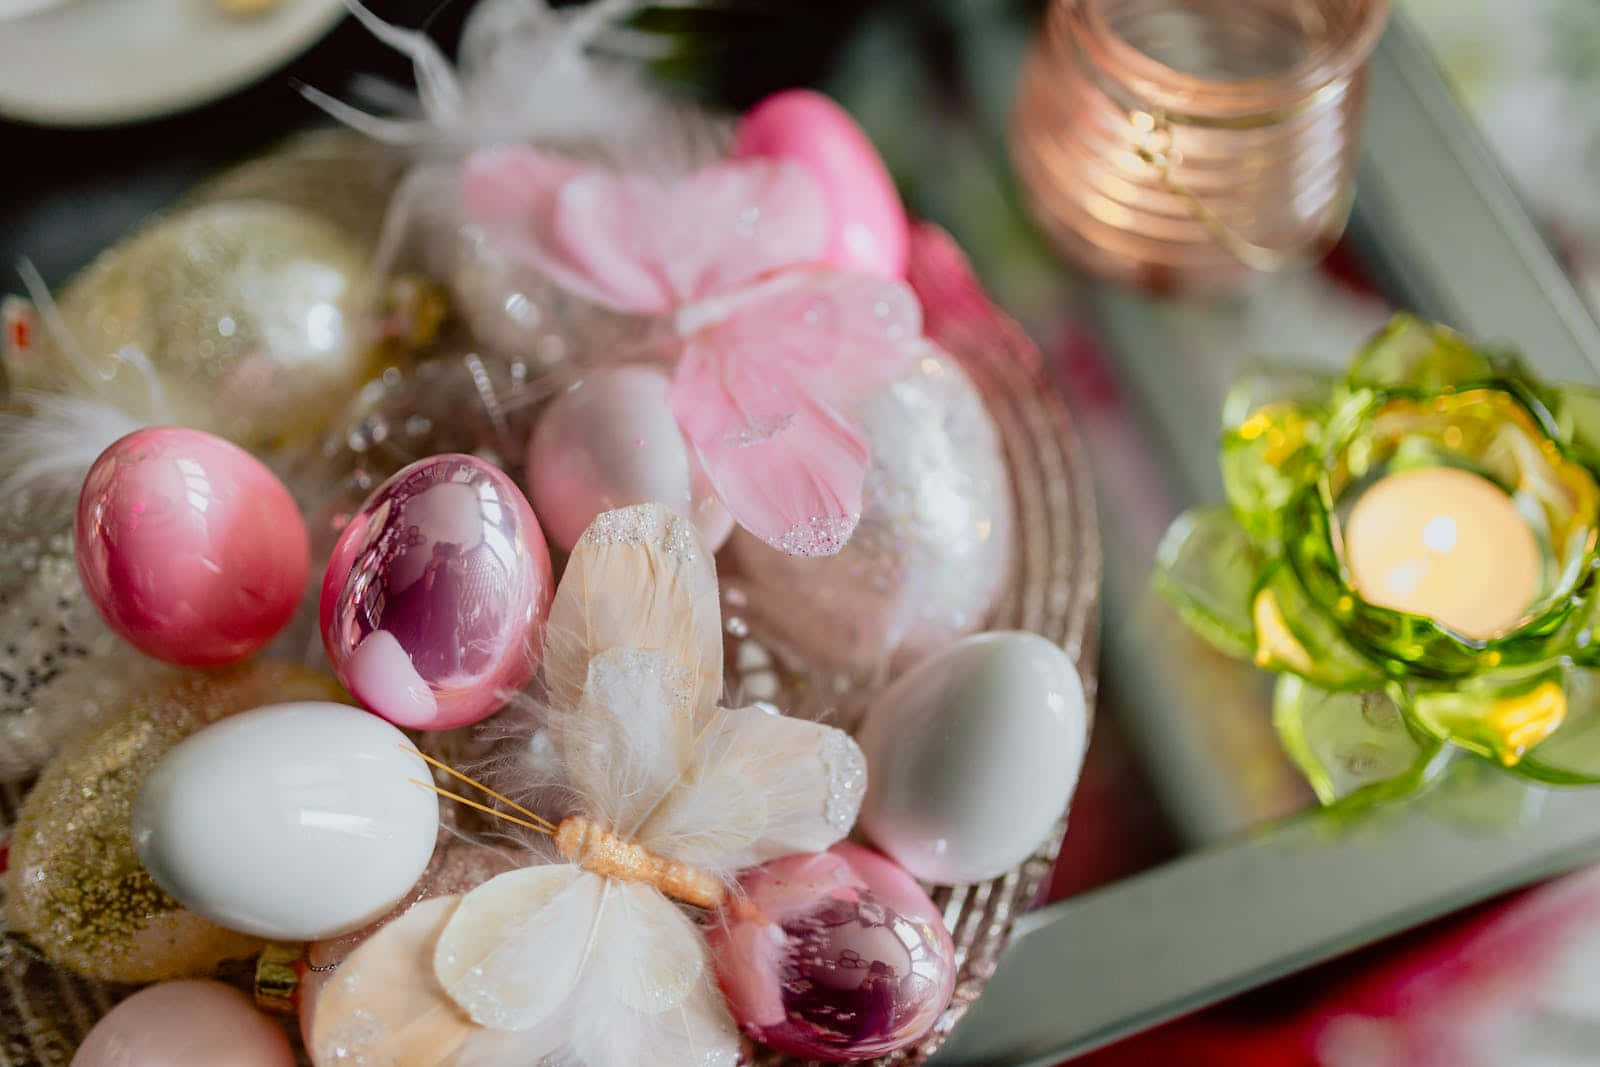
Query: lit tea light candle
[[1447, 544]]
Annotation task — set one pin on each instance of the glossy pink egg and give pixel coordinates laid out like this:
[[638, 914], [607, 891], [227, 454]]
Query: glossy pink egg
[[189, 547], [435, 599], [869, 222], [836, 955], [185, 1024]]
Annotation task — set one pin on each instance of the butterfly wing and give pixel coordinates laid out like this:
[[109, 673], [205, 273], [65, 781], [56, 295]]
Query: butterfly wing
[[639, 578], [764, 393], [643, 245], [516, 946], [760, 786], [604, 973], [383, 1006]]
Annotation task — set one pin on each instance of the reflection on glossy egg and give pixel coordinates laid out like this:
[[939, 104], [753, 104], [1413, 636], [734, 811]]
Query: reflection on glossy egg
[[435, 599]]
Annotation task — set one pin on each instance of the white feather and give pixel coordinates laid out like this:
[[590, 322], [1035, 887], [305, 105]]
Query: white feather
[[48, 448]]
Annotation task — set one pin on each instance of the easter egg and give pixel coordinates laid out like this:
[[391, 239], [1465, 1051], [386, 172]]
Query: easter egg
[[435, 599], [869, 231], [189, 547], [611, 441], [248, 319], [835, 955], [185, 1024], [74, 885], [972, 756], [292, 822], [932, 550]]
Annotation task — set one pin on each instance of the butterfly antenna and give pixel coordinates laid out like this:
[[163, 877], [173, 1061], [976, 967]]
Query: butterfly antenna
[[534, 821]]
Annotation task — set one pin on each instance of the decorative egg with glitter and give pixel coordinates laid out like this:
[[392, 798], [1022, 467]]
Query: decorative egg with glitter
[[75, 886], [189, 547], [834, 956], [61, 667], [185, 1024], [244, 318], [291, 822], [932, 550], [972, 756], [610, 441], [869, 230], [435, 600]]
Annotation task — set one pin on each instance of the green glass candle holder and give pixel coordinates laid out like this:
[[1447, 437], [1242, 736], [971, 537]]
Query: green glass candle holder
[[1349, 501]]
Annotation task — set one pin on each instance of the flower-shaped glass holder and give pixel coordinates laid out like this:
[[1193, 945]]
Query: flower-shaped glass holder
[[1456, 450]]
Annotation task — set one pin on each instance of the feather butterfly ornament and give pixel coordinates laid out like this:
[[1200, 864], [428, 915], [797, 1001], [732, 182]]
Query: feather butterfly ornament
[[773, 350], [594, 959]]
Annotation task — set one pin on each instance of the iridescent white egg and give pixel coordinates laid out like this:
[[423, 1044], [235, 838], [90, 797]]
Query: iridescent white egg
[[934, 546], [972, 756]]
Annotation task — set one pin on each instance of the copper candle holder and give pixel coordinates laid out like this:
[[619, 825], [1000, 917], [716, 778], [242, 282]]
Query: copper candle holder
[[1189, 144]]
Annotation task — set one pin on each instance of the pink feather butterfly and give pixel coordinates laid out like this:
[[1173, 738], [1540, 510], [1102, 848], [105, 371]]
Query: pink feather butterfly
[[775, 350]]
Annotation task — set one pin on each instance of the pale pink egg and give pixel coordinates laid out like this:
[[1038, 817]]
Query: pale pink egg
[[611, 441], [434, 602], [185, 1024], [189, 547], [835, 955], [869, 231]]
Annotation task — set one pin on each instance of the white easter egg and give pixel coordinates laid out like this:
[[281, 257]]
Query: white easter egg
[[611, 441], [292, 822], [933, 548], [973, 755]]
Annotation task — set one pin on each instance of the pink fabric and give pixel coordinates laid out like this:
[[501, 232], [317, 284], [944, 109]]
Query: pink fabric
[[776, 349]]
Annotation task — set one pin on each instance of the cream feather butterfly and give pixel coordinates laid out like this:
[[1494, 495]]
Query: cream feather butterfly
[[572, 962]]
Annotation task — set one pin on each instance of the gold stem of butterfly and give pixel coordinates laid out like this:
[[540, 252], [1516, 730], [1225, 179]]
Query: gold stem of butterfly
[[592, 846]]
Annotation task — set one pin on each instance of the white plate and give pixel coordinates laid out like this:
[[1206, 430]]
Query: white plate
[[97, 62]]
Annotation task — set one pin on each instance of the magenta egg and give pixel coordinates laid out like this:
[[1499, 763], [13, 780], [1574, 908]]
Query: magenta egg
[[869, 230], [835, 955], [435, 599], [189, 547], [185, 1024]]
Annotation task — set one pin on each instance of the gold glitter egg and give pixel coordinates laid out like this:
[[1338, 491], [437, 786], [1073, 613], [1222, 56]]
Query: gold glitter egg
[[75, 886], [257, 319], [333, 173], [933, 549]]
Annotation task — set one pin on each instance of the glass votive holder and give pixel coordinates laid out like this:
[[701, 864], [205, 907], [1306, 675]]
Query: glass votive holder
[[1188, 144]]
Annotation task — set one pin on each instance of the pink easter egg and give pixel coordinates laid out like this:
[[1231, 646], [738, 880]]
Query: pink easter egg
[[185, 1024], [435, 599], [189, 547], [835, 955], [869, 223], [611, 441]]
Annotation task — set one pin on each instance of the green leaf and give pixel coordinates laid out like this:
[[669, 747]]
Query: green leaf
[[1411, 353], [1293, 633], [1271, 423], [1207, 567], [1571, 755], [1354, 748], [1501, 715], [1576, 410]]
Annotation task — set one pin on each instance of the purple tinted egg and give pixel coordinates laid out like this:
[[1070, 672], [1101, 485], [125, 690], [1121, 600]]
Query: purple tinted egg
[[435, 599], [835, 955]]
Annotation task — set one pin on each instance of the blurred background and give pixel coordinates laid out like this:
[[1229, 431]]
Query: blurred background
[[1184, 757]]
